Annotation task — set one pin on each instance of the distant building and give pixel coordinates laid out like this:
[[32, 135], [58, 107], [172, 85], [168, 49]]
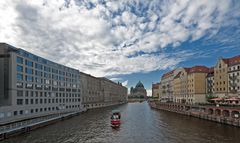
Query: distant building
[[234, 77], [180, 85], [189, 85], [156, 90], [167, 86], [138, 92], [101, 92], [226, 77], [196, 84], [210, 82]]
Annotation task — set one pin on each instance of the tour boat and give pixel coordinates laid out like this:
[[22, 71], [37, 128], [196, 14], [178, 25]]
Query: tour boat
[[115, 119]]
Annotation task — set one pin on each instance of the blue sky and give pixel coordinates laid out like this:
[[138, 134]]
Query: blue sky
[[127, 40]]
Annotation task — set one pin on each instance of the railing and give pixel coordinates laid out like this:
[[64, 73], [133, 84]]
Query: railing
[[31, 122]]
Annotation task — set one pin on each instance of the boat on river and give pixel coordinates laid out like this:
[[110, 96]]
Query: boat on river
[[116, 119]]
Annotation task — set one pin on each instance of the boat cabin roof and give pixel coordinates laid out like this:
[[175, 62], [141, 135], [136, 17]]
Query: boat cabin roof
[[116, 111]]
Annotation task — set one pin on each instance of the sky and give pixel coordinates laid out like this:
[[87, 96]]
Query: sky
[[125, 40]]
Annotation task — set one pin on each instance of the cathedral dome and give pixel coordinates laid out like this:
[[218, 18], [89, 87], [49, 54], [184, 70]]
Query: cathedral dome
[[139, 85]]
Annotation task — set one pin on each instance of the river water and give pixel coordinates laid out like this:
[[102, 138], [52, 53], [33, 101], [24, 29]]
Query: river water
[[140, 124]]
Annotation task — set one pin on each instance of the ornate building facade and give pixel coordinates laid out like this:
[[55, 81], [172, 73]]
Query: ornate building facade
[[139, 91]]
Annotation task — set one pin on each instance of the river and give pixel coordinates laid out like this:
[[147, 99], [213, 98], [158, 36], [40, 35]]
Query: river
[[140, 124]]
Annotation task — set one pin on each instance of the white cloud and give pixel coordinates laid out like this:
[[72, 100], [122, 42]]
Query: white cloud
[[149, 92], [104, 39], [125, 83]]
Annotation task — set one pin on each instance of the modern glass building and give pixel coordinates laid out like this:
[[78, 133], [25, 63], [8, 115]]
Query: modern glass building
[[31, 86]]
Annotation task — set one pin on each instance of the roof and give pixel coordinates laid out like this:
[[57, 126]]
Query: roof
[[178, 75], [199, 69], [233, 60], [168, 74], [187, 69], [139, 85], [115, 111]]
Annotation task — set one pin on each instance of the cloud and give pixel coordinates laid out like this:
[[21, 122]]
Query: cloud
[[114, 37], [116, 79], [125, 83], [149, 92]]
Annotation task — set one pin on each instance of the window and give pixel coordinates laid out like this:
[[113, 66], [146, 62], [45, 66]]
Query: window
[[47, 81], [38, 80], [31, 101], [36, 101], [55, 71], [38, 66], [26, 101], [46, 69], [28, 71], [19, 68], [38, 73], [26, 93], [19, 101], [29, 63], [29, 78], [47, 75], [15, 113], [19, 93], [19, 60], [19, 76]]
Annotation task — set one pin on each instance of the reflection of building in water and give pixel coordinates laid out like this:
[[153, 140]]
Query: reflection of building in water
[[138, 91]]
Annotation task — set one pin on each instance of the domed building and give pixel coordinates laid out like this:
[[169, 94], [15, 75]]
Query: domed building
[[139, 91]]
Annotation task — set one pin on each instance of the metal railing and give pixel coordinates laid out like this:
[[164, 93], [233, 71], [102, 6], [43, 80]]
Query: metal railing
[[31, 122]]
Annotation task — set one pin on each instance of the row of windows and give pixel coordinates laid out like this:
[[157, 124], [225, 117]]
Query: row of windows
[[55, 87], [20, 93], [233, 74], [234, 68], [15, 113], [42, 61], [21, 112], [46, 75], [46, 69], [46, 101], [29, 78], [234, 88]]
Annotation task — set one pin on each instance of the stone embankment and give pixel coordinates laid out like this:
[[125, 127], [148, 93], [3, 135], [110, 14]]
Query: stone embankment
[[221, 114]]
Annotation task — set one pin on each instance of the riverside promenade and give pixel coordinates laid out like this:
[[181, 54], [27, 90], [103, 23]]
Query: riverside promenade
[[219, 114]]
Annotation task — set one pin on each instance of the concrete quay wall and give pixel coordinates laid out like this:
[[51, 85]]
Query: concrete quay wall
[[223, 115]]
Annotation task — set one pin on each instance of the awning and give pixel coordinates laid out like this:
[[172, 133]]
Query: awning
[[233, 99], [217, 99]]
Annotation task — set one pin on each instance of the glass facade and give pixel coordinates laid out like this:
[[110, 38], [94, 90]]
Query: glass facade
[[29, 63], [19, 60], [28, 70], [19, 68], [19, 76]]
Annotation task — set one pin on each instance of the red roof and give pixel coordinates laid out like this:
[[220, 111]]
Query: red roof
[[232, 61], [217, 99], [187, 69], [211, 70], [199, 69], [168, 74]]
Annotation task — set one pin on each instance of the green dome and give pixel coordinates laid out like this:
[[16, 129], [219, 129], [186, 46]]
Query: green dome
[[139, 85]]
